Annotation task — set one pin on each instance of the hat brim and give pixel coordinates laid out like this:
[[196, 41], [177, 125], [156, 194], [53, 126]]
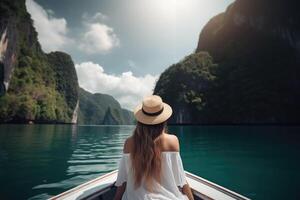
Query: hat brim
[[151, 120]]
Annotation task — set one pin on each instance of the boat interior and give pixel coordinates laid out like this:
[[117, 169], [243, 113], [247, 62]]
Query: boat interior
[[109, 193]]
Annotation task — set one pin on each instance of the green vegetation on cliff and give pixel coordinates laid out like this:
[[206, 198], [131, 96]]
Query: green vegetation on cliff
[[256, 75], [36, 92], [185, 84], [101, 109], [42, 87], [65, 76]]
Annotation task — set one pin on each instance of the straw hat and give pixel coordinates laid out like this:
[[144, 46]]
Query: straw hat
[[152, 111]]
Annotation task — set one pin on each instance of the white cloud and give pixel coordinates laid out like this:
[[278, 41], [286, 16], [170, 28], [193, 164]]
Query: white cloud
[[52, 32], [126, 88], [99, 38], [97, 17]]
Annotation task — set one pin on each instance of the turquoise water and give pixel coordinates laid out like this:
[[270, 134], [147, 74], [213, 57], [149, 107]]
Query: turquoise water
[[38, 161]]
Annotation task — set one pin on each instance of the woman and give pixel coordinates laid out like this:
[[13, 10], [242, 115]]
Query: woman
[[151, 166]]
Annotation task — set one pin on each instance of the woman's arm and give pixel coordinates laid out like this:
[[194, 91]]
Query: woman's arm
[[186, 188], [120, 191], [187, 191]]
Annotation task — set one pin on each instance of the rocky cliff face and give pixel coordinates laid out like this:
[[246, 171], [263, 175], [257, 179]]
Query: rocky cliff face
[[13, 19], [32, 84], [254, 46], [246, 23], [66, 80]]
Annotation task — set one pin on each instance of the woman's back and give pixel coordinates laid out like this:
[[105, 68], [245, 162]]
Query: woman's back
[[172, 173], [166, 142]]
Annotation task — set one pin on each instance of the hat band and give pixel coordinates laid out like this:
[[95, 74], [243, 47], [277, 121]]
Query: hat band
[[153, 114]]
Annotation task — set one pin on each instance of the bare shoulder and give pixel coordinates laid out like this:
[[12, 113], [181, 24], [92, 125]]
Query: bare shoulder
[[170, 142], [128, 145]]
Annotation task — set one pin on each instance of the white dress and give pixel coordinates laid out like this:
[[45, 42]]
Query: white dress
[[172, 177]]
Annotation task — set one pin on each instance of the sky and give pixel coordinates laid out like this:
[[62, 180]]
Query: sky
[[120, 47]]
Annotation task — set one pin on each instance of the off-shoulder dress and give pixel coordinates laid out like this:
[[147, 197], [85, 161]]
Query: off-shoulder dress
[[172, 177]]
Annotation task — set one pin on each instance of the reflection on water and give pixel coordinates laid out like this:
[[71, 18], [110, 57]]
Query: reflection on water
[[42, 160], [39, 161]]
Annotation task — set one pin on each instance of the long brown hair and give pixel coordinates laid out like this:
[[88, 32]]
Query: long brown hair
[[146, 154]]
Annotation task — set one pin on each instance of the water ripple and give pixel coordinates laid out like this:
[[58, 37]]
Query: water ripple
[[91, 156]]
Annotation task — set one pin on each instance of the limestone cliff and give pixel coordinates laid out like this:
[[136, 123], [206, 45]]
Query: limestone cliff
[[254, 47], [34, 86]]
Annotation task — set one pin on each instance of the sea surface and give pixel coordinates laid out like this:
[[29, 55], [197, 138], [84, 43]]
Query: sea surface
[[39, 161]]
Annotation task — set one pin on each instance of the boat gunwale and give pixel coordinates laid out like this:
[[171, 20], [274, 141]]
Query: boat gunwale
[[216, 186], [85, 184], [188, 174]]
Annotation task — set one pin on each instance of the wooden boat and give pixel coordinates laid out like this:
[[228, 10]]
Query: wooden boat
[[103, 188]]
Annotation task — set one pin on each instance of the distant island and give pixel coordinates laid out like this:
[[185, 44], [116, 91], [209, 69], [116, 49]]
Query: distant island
[[102, 109], [36, 87], [245, 70]]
